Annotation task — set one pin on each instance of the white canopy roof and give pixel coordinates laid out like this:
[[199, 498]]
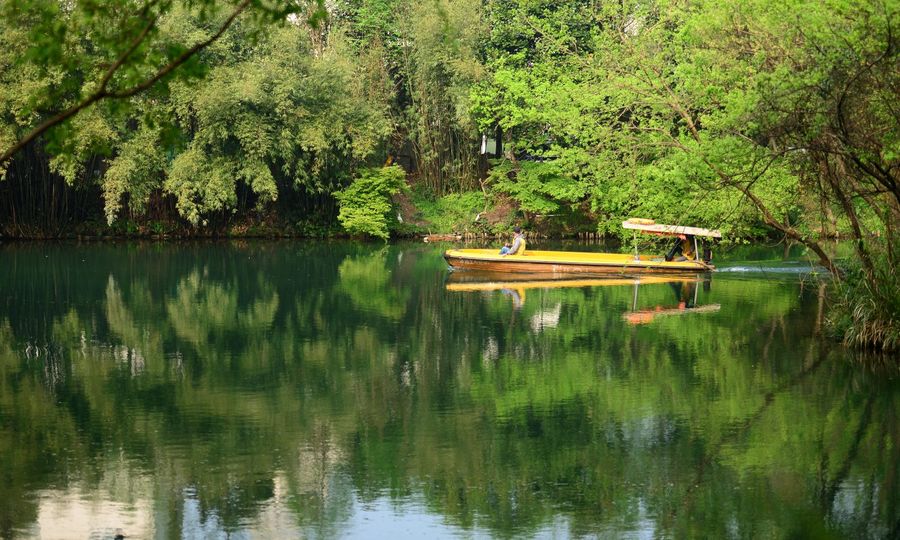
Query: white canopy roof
[[647, 225]]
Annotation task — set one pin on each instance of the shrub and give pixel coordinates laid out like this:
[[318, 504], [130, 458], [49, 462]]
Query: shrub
[[365, 205], [452, 212]]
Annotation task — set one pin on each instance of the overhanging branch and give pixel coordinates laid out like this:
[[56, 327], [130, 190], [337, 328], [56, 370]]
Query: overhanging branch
[[102, 91]]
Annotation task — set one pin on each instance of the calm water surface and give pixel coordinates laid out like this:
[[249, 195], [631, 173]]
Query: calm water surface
[[282, 389]]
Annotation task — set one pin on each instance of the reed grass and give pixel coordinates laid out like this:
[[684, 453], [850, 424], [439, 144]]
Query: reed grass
[[864, 314]]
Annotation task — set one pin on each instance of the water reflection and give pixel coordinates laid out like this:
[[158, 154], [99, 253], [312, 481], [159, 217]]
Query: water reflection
[[290, 389], [685, 287]]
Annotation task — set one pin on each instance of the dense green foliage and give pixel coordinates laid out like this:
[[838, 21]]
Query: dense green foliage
[[366, 205], [713, 113], [733, 114], [60, 58], [757, 117]]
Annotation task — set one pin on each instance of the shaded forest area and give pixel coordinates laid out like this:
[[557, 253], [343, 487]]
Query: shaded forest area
[[394, 117]]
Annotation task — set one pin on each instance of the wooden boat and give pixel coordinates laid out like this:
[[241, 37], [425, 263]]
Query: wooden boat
[[574, 262]]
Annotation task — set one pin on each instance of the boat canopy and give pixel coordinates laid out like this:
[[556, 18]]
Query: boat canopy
[[650, 226]]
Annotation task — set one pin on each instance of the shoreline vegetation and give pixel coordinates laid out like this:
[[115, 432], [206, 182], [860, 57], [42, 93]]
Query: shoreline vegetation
[[396, 118]]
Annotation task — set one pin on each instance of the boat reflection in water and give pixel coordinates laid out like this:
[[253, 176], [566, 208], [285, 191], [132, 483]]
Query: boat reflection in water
[[685, 288], [686, 293]]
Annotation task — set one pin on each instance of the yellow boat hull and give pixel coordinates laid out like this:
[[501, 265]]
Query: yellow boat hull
[[568, 262]]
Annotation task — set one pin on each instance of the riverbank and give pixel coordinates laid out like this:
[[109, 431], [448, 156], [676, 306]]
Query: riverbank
[[456, 216]]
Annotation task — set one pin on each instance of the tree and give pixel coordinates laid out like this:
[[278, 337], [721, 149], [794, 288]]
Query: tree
[[269, 118], [430, 53], [580, 129], [95, 51], [787, 102], [273, 113], [744, 116]]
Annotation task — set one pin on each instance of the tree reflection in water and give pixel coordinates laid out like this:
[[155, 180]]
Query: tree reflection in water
[[329, 389]]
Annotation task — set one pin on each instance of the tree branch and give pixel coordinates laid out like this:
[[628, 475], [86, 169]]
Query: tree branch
[[183, 57], [102, 93]]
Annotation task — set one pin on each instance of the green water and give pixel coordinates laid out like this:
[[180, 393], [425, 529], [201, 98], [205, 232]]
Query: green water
[[282, 389]]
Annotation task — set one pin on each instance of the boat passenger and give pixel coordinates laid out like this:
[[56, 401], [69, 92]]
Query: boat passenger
[[517, 295], [518, 245], [684, 293], [683, 245], [707, 253]]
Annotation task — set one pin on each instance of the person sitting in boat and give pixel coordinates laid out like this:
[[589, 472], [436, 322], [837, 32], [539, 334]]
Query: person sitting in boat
[[517, 295], [683, 245], [684, 293], [518, 244]]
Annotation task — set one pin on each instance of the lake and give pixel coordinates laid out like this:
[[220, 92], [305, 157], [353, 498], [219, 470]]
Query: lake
[[297, 389]]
